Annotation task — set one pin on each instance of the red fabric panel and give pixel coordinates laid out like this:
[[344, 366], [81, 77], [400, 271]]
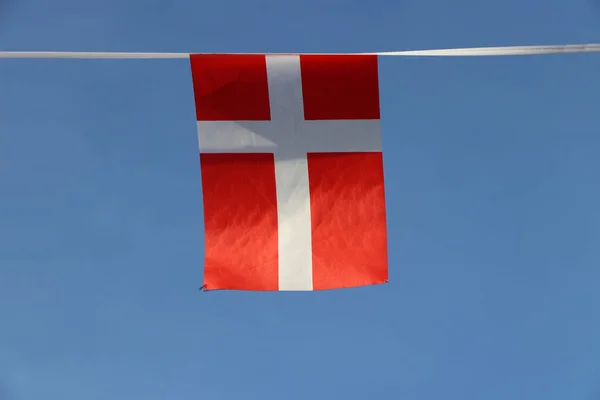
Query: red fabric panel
[[240, 221], [340, 87], [349, 239], [230, 87]]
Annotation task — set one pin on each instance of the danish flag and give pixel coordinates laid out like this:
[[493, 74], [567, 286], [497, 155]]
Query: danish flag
[[292, 171]]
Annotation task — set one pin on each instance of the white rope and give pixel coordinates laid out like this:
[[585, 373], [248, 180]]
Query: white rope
[[476, 51], [75, 54], [501, 51]]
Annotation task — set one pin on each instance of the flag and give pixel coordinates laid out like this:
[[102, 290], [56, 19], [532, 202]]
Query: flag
[[292, 171]]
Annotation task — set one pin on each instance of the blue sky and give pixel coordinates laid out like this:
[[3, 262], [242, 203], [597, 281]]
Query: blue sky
[[493, 189]]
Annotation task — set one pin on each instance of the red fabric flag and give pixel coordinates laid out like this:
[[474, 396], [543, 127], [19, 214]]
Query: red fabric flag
[[292, 171]]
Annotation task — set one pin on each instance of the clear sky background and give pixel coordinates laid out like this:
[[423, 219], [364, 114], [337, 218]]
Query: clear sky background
[[493, 188]]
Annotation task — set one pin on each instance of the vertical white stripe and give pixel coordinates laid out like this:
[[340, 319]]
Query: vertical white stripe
[[293, 213], [291, 174]]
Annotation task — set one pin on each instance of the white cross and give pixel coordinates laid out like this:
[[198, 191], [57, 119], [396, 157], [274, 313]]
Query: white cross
[[290, 137]]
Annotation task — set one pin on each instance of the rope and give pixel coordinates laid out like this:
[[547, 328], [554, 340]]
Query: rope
[[475, 51]]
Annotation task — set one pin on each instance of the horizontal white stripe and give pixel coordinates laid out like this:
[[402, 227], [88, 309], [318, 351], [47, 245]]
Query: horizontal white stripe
[[343, 135], [236, 137], [328, 136]]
